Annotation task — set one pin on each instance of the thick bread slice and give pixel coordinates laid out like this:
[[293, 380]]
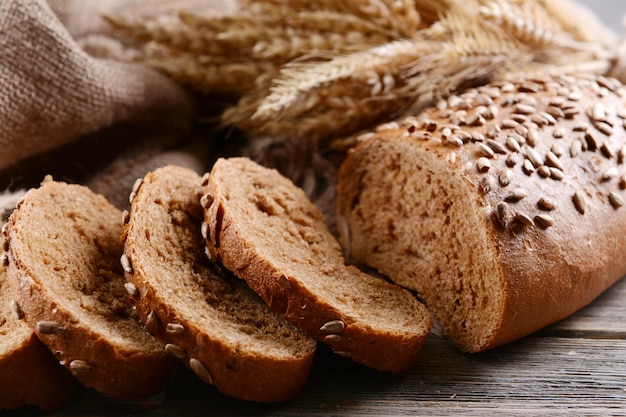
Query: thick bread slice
[[29, 372], [502, 207], [215, 325], [264, 229], [64, 251]]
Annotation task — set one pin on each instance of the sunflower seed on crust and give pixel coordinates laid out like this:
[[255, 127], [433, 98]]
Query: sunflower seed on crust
[[333, 326], [200, 370]]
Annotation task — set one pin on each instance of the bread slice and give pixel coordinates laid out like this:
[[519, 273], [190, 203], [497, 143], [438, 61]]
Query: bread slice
[[264, 229], [502, 207], [29, 372], [64, 252], [214, 324]]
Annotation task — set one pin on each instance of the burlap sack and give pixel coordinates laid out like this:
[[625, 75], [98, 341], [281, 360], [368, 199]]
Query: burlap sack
[[54, 93]]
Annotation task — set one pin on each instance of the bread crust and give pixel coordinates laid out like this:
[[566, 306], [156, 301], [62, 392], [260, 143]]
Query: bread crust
[[232, 240], [29, 373], [542, 177], [112, 366], [238, 362]]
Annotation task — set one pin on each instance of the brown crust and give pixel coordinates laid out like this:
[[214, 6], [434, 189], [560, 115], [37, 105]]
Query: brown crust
[[228, 242], [108, 366], [30, 375], [235, 369], [564, 258]]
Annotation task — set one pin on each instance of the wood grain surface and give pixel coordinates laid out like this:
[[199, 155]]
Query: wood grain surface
[[576, 367]]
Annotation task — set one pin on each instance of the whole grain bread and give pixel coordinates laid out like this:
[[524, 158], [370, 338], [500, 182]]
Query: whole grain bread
[[263, 228], [29, 372], [215, 324], [64, 268], [502, 206]]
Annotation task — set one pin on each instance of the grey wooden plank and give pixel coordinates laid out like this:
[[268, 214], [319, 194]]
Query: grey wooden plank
[[539, 376]]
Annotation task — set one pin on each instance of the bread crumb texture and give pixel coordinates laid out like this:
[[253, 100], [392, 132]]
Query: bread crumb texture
[[64, 265], [248, 350], [266, 231]]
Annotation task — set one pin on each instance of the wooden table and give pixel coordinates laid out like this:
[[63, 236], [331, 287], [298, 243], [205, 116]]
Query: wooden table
[[576, 367]]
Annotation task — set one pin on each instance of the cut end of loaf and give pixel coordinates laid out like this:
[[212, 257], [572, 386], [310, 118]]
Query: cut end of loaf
[[430, 236]]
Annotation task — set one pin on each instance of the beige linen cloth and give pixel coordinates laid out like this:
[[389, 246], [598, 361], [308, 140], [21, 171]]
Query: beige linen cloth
[[68, 99]]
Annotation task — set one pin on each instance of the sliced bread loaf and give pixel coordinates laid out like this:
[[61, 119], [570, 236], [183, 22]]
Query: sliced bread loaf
[[214, 324], [502, 207], [64, 251], [29, 372], [264, 229]]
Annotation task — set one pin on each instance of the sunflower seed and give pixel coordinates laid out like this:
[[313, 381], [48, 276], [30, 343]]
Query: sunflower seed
[[483, 165], [49, 327], [557, 150], [528, 167], [332, 338], [544, 220], [200, 370], [205, 179], [487, 184], [553, 161], [516, 195], [135, 189], [575, 148], [204, 230], [125, 217], [512, 144], [543, 171], [496, 146], [503, 214], [152, 322], [126, 264], [592, 142], [547, 204], [80, 368], [524, 108], [344, 354], [609, 174], [175, 351], [206, 201], [556, 174], [616, 200], [607, 150], [579, 202], [533, 137], [333, 326], [174, 328], [484, 150], [505, 177], [512, 159], [534, 157], [597, 112], [131, 289], [621, 155], [523, 219], [604, 128]]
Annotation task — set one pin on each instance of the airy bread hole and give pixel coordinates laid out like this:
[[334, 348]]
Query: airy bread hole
[[431, 238]]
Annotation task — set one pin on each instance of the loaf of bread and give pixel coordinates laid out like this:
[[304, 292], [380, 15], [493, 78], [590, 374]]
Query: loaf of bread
[[502, 206], [64, 250], [263, 228], [215, 324], [29, 373]]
